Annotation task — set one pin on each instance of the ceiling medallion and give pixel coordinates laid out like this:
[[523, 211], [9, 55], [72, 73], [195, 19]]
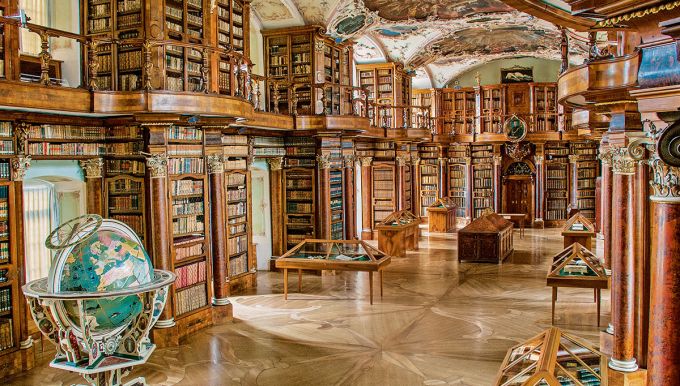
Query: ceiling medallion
[[515, 128], [517, 151]]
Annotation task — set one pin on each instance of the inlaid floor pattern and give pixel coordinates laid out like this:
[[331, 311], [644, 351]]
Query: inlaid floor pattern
[[439, 323]]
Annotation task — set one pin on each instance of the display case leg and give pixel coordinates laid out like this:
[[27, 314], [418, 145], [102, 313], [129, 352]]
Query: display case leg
[[381, 283], [285, 284], [370, 286], [554, 299], [299, 280]]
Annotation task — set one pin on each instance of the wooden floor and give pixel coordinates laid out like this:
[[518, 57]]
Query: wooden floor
[[439, 323]]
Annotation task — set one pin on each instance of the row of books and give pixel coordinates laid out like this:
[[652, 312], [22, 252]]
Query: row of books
[[191, 299], [125, 186], [480, 192], [237, 244], [184, 133], [185, 150], [238, 209], [299, 195], [43, 148], [269, 151], [187, 206], [130, 60], [482, 183], [186, 187], [586, 184], [99, 25], [125, 167], [129, 82], [556, 184], [239, 228], [190, 274], [298, 183], [556, 214], [117, 203], [65, 132], [236, 194], [185, 166], [183, 252], [236, 179], [586, 173], [5, 299], [4, 170], [4, 252], [299, 207], [556, 173], [5, 129], [6, 333], [457, 182], [383, 185], [238, 164], [586, 203], [559, 204], [136, 222], [184, 225], [432, 180], [238, 265], [560, 193]]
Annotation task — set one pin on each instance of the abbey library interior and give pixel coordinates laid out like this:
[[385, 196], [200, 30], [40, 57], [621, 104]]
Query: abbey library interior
[[429, 172]]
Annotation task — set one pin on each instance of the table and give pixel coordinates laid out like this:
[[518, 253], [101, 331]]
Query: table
[[519, 217]]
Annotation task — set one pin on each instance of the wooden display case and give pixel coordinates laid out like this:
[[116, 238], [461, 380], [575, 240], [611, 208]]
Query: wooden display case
[[577, 267], [442, 215], [578, 229], [296, 61], [399, 232], [553, 358], [336, 255], [487, 239]]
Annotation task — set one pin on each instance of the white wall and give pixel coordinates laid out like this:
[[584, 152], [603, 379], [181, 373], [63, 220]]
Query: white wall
[[261, 208], [358, 200]]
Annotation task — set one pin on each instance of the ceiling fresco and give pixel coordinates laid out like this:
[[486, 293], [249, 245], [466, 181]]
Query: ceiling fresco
[[438, 39]]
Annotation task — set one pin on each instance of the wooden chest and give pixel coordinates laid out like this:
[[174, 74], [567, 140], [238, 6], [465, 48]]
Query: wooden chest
[[442, 215], [487, 239]]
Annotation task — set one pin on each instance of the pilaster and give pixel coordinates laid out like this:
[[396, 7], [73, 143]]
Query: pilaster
[[366, 198], [94, 183]]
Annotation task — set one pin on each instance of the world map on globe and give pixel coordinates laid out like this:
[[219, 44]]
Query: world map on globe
[[105, 261]]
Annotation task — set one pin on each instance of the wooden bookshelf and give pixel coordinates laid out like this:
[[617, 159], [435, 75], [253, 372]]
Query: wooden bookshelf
[[268, 147], [10, 269], [69, 141], [300, 205], [386, 84], [236, 150], [337, 208], [407, 177], [482, 178], [384, 191], [429, 177], [3, 44], [459, 108], [425, 98], [556, 181], [239, 221], [297, 59], [458, 183], [188, 210], [493, 108], [231, 21], [585, 176], [6, 149], [125, 201], [544, 106]]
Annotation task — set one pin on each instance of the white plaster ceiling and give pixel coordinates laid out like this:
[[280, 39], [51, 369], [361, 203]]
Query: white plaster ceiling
[[438, 39]]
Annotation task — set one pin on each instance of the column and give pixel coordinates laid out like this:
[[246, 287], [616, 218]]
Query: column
[[165, 331], [366, 198], [94, 183], [663, 361], [497, 173], [642, 262], [443, 189], [323, 218], [468, 188], [623, 261], [606, 158], [401, 170], [218, 235], [276, 196], [540, 191], [20, 165], [573, 187], [349, 197]]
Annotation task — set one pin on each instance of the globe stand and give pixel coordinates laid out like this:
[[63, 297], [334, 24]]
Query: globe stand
[[100, 300]]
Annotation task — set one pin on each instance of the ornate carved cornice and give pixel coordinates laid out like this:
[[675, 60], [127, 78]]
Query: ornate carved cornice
[[622, 162], [665, 179], [402, 160], [20, 165], [349, 160], [275, 163], [664, 161], [605, 155], [93, 167], [366, 161], [215, 163], [158, 165], [415, 161], [614, 21], [517, 151], [324, 161]]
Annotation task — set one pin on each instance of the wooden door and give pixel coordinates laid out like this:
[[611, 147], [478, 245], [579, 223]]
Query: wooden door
[[518, 198]]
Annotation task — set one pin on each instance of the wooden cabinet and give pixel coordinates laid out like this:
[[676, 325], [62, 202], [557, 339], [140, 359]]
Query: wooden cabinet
[[308, 73], [458, 112], [398, 233], [487, 239], [442, 215], [389, 91]]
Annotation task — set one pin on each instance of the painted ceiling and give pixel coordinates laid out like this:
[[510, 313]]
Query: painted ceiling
[[437, 39]]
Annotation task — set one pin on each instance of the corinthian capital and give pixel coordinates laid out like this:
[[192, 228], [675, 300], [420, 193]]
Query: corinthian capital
[[215, 163], [93, 167], [622, 162], [275, 163], [157, 165], [366, 161]]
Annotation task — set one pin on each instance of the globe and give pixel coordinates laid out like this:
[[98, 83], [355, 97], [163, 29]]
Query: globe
[[108, 258]]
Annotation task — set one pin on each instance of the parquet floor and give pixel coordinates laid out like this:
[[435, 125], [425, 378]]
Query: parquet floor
[[439, 323]]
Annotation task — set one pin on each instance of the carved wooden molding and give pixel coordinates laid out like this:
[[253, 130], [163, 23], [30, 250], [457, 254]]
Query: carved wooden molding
[[415, 161], [215, 163], [366, 161], [402, 160], [93, 167], [324, 161], [622, 162], [157, 165], [605, 155], [349, 161], [20, 165], [275, 163]]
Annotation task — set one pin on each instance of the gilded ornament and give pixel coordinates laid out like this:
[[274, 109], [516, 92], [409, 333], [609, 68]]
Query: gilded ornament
[[324, 161], [92, 167], [215, 163], [402, 160], [20, 165], [665, 179], [497, 160], [349, 161], [538, 159], [158, 165], [366, 161], [275, 163], [622, 162], [573, 158]]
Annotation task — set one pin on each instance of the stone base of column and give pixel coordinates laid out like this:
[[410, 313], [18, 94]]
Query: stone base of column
[[636, 378], [222, 313], [165, 337], [538, 224], [27, 356], [606, 343], [628, 366]]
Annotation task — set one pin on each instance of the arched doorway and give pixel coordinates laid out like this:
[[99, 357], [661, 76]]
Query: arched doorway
[[518, 189]]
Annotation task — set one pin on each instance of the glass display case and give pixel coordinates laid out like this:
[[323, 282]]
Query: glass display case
[[337, 255], [577, 267], [398, 233], [553, 358], [578, 229], [442, 215]]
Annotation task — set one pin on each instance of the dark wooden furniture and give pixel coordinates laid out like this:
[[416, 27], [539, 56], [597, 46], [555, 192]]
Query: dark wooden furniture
[[442, 215], [338, 255], [398, 233], [488, 239], [577, 267], [519, 217], [29, 67], [578, 229]]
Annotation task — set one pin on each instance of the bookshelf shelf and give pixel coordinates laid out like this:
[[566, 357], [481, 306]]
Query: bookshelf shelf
[[237, 185], [384, 195], [300, 218], [10, 294], [429, 177], [587, 170], [557, 181], [482, 178], [458, 183]]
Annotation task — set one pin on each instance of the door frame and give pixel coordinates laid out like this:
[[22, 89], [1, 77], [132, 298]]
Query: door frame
[[531, 178]]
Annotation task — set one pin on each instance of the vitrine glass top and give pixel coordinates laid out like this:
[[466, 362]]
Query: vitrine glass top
[[341, 250]]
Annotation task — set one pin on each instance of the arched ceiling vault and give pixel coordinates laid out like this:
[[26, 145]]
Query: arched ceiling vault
[[439, 39]]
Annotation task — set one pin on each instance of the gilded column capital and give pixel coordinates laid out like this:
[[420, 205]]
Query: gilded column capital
[[442, 160], [402, 160], [366, 161], [573, 158], [275, 163], [349, 160], [158, 165], [622, 162], [215, 163], [538, 160], [664, 162], [93, 167], [605, 155], [497, 160], [20, 165], [665, 180], [415, 161], [468, 161], [324, 161]]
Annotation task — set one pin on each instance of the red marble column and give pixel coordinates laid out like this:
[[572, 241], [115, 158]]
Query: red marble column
[[276, 190], [366, 198], [607, 208], [663, 361], [642, 263], [443, 180], [540, 189], [218, 230], [94, 184], [349, 198], [623, 262]]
